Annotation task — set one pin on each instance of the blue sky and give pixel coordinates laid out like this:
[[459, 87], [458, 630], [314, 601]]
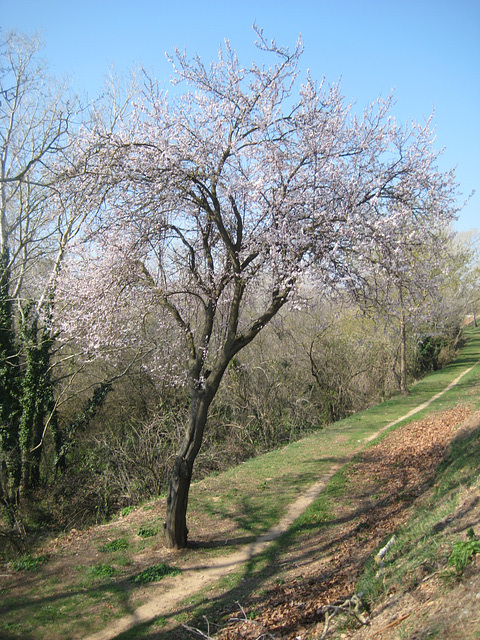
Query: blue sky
[[427, 50]]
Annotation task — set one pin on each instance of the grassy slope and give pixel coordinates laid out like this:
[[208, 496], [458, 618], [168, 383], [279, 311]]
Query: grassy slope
[[254, 496], [259, 491], [298, 465]]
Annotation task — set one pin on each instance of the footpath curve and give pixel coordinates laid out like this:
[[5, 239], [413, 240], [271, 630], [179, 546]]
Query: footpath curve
[[194, 580]]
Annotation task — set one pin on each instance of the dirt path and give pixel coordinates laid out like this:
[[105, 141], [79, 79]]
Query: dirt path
[[194, 579]]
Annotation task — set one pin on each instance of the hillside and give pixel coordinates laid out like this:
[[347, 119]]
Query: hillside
[[277, 569], [394, 487]]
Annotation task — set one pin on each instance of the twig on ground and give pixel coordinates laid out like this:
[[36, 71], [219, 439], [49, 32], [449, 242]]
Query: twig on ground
[[264, 634], [207, 635], [351, 606], [381, 554], [383, 551], [392, 624]]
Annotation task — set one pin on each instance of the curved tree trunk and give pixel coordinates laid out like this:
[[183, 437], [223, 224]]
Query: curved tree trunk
[[176, 531], [202, 392]]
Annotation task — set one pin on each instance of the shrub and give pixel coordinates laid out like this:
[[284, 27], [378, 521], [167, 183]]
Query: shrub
[[103, 571]]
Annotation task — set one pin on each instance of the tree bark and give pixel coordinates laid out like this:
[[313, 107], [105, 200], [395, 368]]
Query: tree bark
[[176, 531]]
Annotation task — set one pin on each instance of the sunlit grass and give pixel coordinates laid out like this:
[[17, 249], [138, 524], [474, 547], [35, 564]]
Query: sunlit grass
[[254, 496]]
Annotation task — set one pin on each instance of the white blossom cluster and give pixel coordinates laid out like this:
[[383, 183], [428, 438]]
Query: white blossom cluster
[[208, 210]]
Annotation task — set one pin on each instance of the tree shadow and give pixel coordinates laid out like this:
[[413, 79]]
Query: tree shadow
[[260, 571]]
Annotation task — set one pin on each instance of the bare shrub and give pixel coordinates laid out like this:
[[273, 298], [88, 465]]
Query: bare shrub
[[137, 457]]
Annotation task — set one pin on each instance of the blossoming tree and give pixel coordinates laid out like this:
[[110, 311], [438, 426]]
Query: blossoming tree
[[208, 210], [402, 278]]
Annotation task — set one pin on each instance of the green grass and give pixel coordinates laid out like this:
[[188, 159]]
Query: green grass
[[29, 563], [102, 571], [155, 573], [120, 544], [254, 496]]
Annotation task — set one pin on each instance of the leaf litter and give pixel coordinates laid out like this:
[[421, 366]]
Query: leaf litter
[[382, 486]]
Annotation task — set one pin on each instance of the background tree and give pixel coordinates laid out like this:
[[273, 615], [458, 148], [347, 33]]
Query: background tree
[[463, 286], [402, 274], [36, 114], [210, 208]]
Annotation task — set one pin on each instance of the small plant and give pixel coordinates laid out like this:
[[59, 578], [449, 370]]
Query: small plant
[[148, 531], [102, 571], [463, 551], [127, 510], [115, 545], [155, 573], [29, 563]]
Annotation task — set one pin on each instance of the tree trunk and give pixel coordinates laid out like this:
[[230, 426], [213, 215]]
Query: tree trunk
[[202, 392], [176, 531]]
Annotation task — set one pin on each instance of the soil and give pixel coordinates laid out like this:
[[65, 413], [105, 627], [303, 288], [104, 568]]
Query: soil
[[388, 479]]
